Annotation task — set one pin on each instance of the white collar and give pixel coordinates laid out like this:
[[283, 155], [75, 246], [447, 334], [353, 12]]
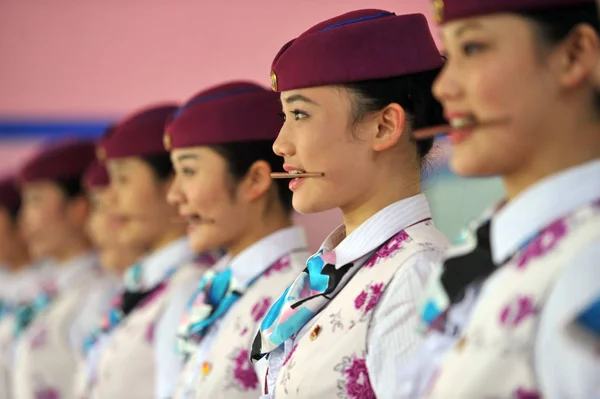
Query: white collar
[[376, 230], [156, 265], [75, 269], [551, 198], [255, 259]]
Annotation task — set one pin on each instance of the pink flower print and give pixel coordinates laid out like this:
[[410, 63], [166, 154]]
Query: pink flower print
[[358, 385], [376, 291], [243, 371], [517, 311], [278, 266], [39, 339], [47, 393], [289, 357], [360, 299], [260, 309], [526, 394], [149, 335], [388, 249], [543, 243]]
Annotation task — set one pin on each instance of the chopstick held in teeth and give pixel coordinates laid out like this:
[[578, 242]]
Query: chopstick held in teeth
[[285, 175]]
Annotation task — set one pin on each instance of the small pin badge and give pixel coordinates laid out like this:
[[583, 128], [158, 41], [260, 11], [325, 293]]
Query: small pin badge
[[167, 142], [101, 153], [315, 332], [274, 85], [206, 368], [438, 11]]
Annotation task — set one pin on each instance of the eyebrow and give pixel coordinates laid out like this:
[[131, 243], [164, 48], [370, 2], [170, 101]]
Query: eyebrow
[[183, 157], [299, 97], [466, 26]]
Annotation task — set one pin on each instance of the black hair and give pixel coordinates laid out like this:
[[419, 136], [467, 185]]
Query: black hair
[[241, 155], [555, 25], [71, 187], [160, 164], [13, 211], [412, 92]]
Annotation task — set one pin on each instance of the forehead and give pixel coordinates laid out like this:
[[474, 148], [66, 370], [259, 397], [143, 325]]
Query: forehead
[[45, 187], [123, 164], [322, 96], [502, 25]]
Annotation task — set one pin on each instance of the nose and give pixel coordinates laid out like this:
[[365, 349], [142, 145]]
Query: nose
[[446, 87], [283, 146], [174, 193]]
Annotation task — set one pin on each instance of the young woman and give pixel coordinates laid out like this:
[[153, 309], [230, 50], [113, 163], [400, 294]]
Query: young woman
[[225, 192], [19, 280], [139, 338], [518, 306], [114, 259], [54, 213], [344, 323]]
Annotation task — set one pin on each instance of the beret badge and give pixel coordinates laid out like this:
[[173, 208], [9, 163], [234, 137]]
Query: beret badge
[[438, 11], [273, 81], [101, 153], [167, 142]]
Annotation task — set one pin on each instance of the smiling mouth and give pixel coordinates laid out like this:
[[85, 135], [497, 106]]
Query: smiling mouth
[[464, 122], [195, 219]]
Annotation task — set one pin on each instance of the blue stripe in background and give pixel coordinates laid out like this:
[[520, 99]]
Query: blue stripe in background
[[52, 129], [56, 129]]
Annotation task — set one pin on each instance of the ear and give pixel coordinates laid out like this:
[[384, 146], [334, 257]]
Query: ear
[[256, 182], [579, 58], [390, 125]]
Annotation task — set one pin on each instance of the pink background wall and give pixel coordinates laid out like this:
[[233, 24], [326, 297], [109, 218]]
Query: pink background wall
[[105, 58]]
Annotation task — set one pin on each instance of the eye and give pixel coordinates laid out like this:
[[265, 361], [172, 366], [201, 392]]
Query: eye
[[282, 114], [186, 171], [471, 48], [121, 179], [299, 114]]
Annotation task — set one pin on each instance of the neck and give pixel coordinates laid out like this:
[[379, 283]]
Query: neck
[[76, 247], [169, 235], [272, 222], [563, 153], [387, 192], [18, 259]]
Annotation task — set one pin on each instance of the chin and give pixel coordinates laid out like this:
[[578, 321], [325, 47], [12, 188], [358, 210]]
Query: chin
[[200, 243], [467, 165], [306, 206]]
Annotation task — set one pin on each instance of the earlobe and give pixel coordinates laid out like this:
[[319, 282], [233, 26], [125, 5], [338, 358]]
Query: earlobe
[[391, 125]]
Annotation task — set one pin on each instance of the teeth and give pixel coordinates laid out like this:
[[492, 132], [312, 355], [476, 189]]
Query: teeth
[[458, 123], [295, 172]]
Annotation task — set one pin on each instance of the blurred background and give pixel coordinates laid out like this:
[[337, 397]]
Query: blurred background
[[68, 69]]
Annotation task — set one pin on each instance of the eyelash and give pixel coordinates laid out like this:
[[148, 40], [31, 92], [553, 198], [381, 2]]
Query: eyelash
[[188, 172], [469, 50], [298, 115]]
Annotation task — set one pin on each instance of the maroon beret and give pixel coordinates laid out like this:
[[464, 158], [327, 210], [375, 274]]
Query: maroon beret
[[228, 113], [64, 160], [9, 194], [448, 10], [360, 45], [96, 176], [137, 135]]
